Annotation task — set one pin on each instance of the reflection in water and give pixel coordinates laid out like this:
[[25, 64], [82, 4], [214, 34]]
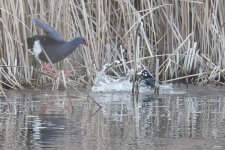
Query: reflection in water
[[48, 120]]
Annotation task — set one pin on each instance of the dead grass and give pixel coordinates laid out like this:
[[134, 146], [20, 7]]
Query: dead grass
[[186, 36]]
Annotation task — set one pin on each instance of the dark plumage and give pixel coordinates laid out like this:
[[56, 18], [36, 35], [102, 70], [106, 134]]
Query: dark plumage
[[53, 43], [148, 78]]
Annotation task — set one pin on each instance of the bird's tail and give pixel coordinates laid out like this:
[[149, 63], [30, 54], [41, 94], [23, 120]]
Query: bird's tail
[[30, 42]]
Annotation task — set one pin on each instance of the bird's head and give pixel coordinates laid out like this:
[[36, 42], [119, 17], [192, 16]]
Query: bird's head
[[85, 41]]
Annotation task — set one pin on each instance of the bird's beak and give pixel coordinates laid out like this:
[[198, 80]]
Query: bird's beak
[[86, 42]]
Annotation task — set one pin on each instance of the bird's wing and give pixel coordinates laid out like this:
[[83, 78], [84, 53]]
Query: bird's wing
[[51, 32]]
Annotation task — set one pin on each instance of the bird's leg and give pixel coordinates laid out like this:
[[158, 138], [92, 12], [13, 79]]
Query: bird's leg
[[68, 73], [50, 70], [47, 68]]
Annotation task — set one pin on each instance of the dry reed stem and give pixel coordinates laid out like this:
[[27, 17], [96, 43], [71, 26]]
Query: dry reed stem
[[175, 30]]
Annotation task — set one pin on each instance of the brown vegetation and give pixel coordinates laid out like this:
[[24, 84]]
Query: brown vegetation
[[187, 37]]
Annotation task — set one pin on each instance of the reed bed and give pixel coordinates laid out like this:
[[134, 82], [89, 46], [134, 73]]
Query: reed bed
[[186, 36]]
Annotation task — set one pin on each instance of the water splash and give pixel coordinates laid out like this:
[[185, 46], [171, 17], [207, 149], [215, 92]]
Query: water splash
[[105, 83]]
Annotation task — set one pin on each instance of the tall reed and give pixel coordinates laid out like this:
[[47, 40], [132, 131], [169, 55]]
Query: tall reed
[[186, 36]]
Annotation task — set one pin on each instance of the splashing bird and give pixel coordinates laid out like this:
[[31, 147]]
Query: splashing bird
[[148, 78]]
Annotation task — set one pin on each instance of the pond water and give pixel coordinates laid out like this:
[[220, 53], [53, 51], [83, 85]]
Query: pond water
[[194, 120]]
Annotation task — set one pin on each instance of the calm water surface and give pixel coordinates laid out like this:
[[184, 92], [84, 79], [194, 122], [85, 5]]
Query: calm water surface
[[65, 120]]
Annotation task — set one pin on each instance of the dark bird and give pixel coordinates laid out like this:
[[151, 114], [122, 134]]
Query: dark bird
[[148, 78], [52, 43]]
